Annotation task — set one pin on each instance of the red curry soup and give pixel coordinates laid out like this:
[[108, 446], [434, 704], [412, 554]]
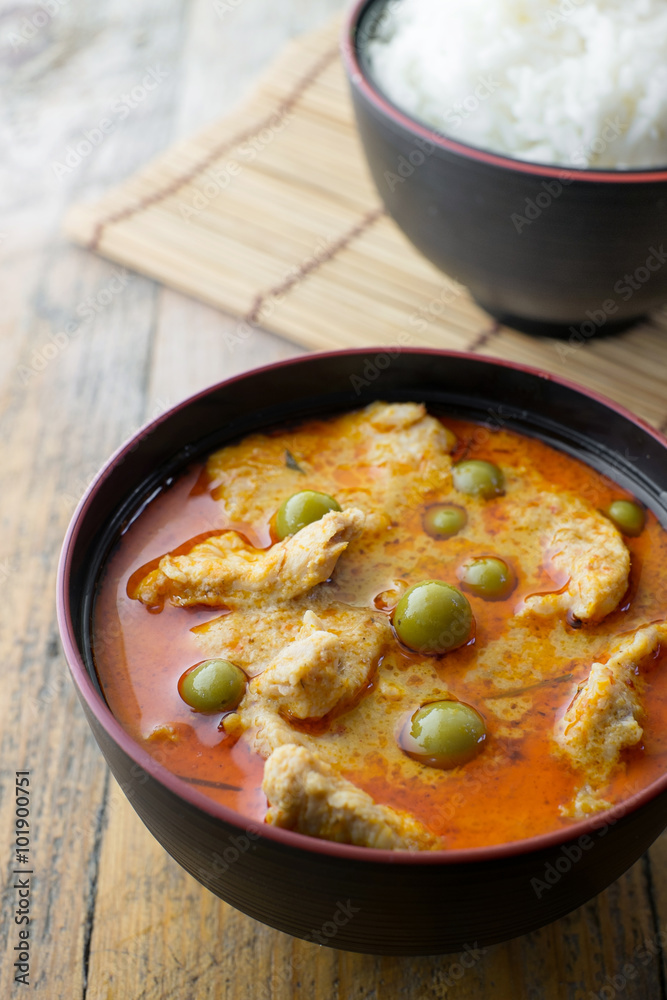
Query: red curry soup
[[393, 630]]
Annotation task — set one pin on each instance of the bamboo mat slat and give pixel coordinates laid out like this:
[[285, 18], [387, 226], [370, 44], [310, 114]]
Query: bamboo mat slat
[[271, 214]]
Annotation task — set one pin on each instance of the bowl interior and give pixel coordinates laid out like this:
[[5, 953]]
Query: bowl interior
[[494, 393]]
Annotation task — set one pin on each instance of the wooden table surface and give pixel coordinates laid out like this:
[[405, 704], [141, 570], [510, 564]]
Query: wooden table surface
[[89, 353]]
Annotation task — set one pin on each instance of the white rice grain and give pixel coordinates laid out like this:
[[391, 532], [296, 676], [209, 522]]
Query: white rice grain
[[579, 83]]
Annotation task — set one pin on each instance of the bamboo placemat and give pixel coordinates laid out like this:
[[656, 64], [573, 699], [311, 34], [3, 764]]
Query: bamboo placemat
[[271, 214]]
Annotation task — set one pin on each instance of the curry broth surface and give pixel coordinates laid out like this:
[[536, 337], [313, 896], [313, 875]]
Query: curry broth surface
[[519, 673]]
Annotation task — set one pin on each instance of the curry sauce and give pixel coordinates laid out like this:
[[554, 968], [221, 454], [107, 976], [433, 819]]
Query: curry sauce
[[519, 670]]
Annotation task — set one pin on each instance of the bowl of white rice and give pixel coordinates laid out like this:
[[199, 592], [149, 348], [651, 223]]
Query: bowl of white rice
[[521, 145]]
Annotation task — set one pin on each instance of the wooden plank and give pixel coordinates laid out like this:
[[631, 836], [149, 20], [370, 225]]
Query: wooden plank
[[70, 390]]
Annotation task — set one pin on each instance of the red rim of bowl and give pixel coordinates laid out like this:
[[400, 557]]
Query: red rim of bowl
[[374, 96], [186, 791]]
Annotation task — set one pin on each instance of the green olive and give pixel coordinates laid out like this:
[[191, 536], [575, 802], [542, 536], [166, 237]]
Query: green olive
[[432, 617], [478, 478], [212, 686], [302, 509], [442, 520], [444, 734], [628, 517], [487, 577]]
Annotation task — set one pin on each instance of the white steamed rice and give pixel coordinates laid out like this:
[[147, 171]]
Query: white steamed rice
[[579, 83]]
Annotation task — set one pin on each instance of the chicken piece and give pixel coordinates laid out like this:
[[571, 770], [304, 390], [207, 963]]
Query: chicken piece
[[266, 730], [255, 636], [254, 476], [304, 679], [351, 640], [393, 416], [585, 802], [252, 636], [306, 795], [225, 565], [603, 718], [404, 434], [408, 451], [319, 669], [589, 551]]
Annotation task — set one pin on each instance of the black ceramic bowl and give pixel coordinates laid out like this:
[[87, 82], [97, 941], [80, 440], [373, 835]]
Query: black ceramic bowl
[[350, 897], [542, 248]]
